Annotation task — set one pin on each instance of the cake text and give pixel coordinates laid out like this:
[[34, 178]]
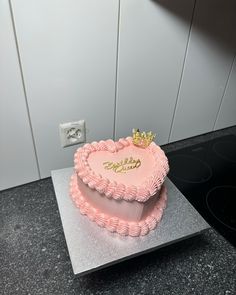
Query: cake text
[[123, 165]]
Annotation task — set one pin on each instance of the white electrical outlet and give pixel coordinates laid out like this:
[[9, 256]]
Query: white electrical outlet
[[72, 133]]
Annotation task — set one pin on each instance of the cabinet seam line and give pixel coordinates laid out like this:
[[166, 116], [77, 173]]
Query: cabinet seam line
[[223, 95], [116, 71], [182, 71], [24, 87]]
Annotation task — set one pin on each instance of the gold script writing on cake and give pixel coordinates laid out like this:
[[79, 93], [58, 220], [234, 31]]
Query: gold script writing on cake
[[123, 165]]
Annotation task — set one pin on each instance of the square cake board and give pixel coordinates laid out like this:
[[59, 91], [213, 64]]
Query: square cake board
[[92, 247]]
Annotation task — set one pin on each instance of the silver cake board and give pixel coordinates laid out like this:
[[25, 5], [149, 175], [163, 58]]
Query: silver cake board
[[92, 247]]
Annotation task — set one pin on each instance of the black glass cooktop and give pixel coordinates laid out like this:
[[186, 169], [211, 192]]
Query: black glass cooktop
[[206, 174]]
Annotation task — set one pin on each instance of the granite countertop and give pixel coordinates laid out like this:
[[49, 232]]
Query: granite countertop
[[34, 257]]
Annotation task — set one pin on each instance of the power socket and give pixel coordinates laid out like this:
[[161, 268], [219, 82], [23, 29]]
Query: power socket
[[72, 133]]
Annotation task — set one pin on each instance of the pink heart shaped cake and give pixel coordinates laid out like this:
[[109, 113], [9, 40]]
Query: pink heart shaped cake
[[119, 185]]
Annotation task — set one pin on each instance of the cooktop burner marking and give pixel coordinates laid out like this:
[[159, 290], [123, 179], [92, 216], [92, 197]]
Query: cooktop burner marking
[[221, 202], [226, 150], [220, 154], [189, 169]]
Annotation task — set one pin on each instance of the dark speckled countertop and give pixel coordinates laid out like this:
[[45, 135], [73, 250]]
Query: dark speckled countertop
[[34, 257]]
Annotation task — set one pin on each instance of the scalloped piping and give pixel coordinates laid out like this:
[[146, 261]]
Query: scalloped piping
[[114, 224], [112, 189]]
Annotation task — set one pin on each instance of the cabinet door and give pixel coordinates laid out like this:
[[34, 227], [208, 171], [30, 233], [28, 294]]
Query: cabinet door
[[17, 156], [208, 62], [152, 42], [227, 112], [68, 55]]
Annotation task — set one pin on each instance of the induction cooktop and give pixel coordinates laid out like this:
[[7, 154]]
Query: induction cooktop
[[206, 174]]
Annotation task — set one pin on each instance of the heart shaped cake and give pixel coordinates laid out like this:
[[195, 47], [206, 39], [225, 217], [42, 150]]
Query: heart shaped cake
[[119, 185]]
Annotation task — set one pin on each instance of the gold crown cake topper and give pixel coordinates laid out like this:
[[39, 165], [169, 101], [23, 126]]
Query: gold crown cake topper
[[142, 139]]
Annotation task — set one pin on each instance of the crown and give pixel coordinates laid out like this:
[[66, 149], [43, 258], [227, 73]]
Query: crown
[[142, 139]]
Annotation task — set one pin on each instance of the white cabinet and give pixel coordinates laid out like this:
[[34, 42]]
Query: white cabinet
[[17, 156], [153, 37], [227, 112], [208, 61], [68, 55], [145, 70]]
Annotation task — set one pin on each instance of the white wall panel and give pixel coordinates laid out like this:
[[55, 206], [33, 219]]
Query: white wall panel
[[227, 112], [68, 54], [153, 38], [17, 157], [208, 62]]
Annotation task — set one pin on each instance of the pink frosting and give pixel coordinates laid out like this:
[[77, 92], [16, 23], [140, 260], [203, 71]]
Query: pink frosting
[[118, 190], [114, 224]]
